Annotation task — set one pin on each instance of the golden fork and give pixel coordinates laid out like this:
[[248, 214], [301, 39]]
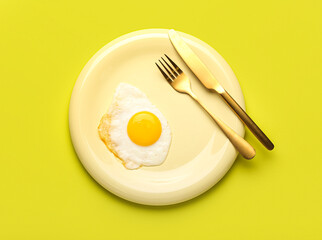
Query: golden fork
[[181, 83]]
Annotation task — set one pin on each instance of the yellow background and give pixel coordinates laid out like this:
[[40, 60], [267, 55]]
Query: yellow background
[[274, 48]]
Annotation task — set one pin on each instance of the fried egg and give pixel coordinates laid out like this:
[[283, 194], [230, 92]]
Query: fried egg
[[134, 130]]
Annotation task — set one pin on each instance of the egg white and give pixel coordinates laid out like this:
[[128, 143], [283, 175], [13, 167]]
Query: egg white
[[129, 100]]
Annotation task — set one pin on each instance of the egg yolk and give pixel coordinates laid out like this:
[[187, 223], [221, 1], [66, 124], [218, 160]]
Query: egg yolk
[[144, 128]]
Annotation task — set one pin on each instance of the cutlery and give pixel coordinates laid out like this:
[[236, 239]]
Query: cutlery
[[210, 82], [181, 83]]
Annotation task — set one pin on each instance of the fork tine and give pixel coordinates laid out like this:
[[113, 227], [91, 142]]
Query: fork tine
[[164, 74], [171, 75], [174, 65], [172, 70]]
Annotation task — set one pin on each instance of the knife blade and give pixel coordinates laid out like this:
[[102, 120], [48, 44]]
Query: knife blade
[[194, 63], [210, 82]]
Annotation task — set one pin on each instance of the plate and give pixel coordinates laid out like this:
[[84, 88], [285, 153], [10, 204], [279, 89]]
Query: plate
[[199, 154]]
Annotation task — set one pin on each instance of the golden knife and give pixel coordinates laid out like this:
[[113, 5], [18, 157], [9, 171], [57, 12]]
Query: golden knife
[[210, 82]]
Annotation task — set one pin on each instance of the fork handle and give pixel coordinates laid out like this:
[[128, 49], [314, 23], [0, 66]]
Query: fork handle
[[247, 121], [242, 146]]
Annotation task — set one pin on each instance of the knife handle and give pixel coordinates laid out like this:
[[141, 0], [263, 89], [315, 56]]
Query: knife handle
[[247, 121]]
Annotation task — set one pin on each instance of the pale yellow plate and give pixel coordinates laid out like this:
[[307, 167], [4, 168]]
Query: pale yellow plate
[[199, 154]]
